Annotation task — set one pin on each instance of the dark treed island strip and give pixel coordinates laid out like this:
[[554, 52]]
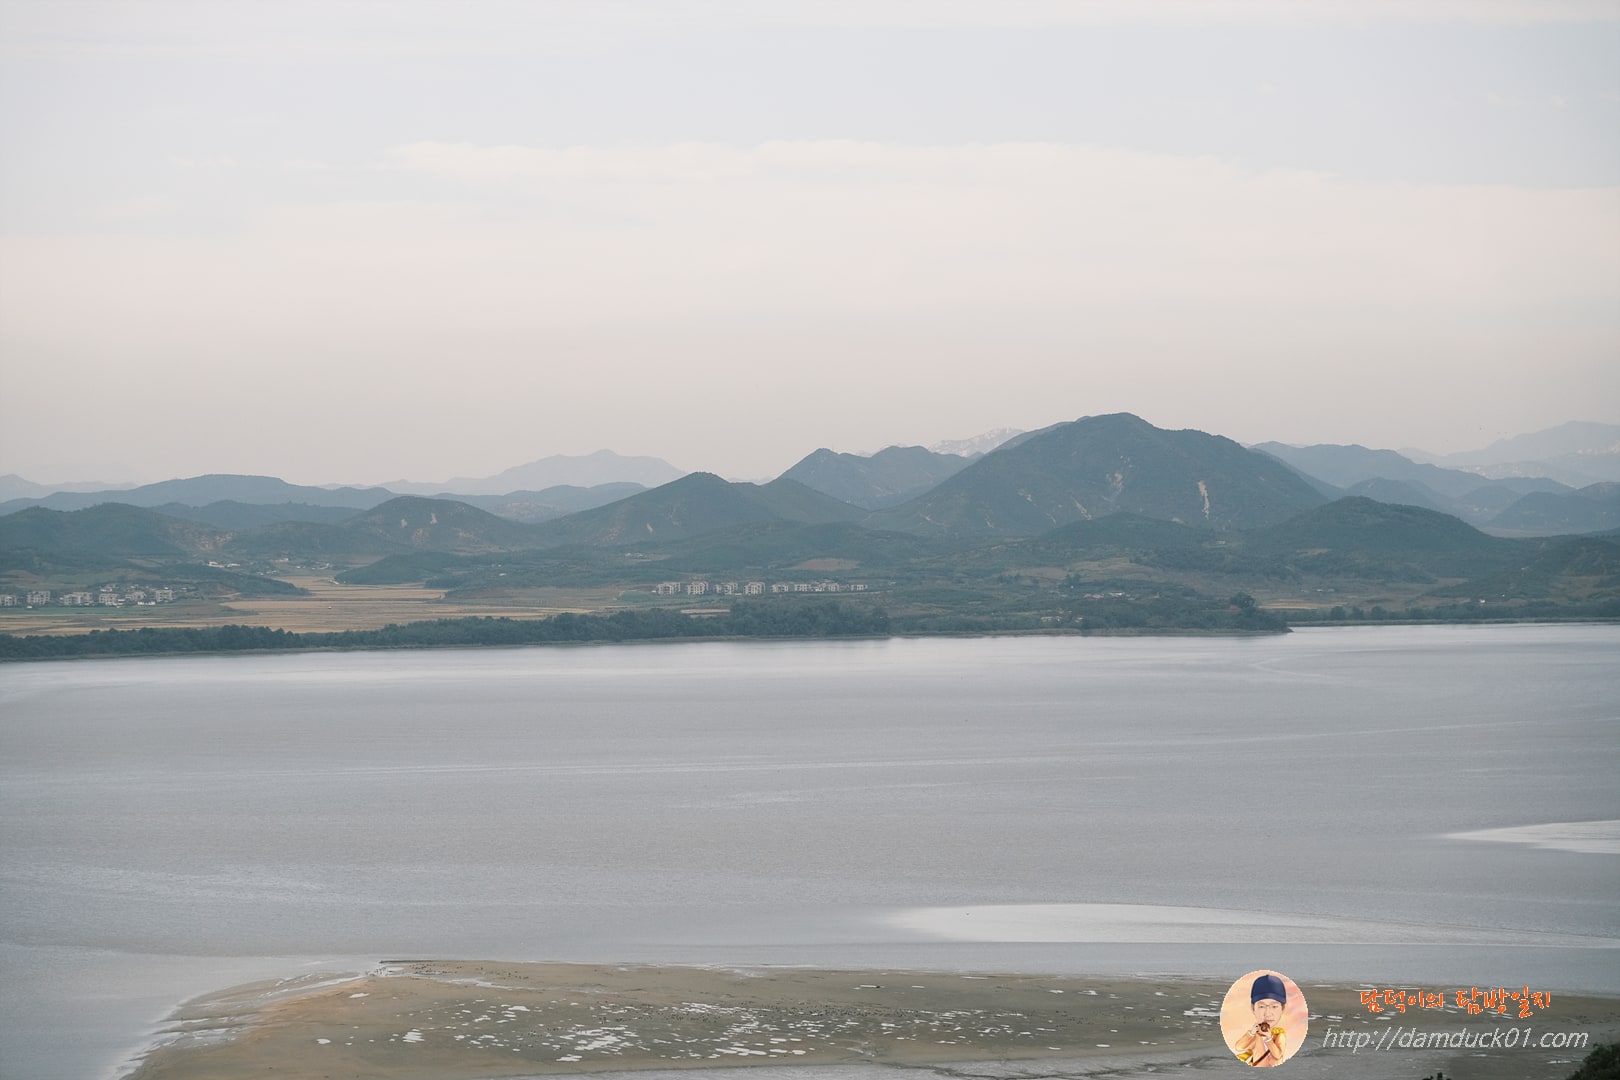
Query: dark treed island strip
[[757, 619]]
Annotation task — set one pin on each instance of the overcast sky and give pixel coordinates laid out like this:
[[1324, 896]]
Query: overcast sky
[[354, 241]]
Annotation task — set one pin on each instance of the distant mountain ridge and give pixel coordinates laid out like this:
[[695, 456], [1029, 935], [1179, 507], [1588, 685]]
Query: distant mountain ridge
[[1578, 437], [1346, 466], [887, 478], [978, 444], [13, 486], [1474, 485], [558, 470], [404, 523], [1592, 509], [210, 488], [1084, 520], [554, 502], [1391, 477], [1030, 484], [1576, 454]]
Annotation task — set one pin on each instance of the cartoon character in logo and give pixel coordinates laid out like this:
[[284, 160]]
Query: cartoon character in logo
[[1265, 1044]]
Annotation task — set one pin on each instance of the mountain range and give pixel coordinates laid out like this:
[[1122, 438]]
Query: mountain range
[[889, 477], [210, 488], [1577, 454], [1103, 465], [559, 485], [558, 470], [977, 445], [1031, 482], [233, 501], [13, 486], [1101, 506], [1393, 478], [693, 506]]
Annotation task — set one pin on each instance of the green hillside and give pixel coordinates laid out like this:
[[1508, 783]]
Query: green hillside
[[1403, 493], [1103, 465], [416, 523], [1592, 509], [406, 523], [781, 545], [792, 501], [692, 506], [1483, 503], [111, 530], [1363, 537], [111, 543], [232, 516], [1121, 547], [402, 568], [299, 540], [213, 581], [1585, 569], [1124, 531]]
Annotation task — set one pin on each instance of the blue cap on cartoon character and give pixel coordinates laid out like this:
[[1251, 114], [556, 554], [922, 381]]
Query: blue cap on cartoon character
[[1268, 987]]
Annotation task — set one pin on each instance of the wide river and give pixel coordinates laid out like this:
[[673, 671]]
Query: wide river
[[1191, 805]]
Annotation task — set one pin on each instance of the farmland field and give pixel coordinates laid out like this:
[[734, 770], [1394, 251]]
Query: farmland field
[[329, 606]]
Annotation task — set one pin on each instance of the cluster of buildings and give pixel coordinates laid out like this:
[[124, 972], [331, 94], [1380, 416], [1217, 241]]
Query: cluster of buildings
[[106, 596], [750, 588]]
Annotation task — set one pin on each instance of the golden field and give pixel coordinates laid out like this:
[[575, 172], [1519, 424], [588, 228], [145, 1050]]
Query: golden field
[[328, 606]]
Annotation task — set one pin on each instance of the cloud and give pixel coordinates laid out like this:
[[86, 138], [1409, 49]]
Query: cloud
[[1038, 13], [1028, 224], [850, 278], [519, 238], [356, 28]]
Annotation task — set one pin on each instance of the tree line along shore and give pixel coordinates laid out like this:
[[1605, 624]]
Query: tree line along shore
[[762, 619]]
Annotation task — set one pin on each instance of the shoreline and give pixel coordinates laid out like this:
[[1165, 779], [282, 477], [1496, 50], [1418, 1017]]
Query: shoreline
[[1115, 632], [479, 1020], [920, 635]]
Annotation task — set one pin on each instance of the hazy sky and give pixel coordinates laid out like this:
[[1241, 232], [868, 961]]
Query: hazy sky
[[346, 241]]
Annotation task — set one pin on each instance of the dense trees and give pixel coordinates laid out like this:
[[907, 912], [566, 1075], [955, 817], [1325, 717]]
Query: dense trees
[[805, 619]]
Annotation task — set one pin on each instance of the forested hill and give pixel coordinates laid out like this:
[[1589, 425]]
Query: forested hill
[[1102, 465]]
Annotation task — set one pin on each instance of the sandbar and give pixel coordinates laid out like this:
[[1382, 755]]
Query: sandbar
[[470, 1020]]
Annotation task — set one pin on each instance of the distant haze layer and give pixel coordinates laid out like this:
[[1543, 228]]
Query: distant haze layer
[[339, 248]]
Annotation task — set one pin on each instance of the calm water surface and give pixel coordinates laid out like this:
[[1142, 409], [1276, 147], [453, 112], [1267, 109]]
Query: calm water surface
[[171, 826]]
